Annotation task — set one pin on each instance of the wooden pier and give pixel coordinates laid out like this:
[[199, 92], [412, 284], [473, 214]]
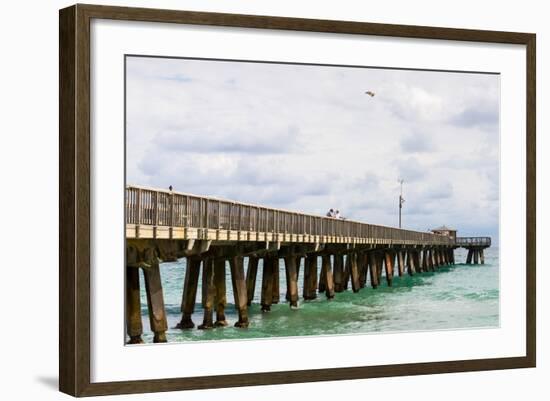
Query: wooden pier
[[212, 234]]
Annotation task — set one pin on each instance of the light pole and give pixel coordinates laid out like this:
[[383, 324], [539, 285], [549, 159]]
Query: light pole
[[401, 200]]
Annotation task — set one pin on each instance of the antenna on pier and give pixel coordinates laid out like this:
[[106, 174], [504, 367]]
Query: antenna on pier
[[401, 199]]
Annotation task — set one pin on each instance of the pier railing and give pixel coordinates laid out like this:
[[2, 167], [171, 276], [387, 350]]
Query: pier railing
[[154, 207], [473, 241]]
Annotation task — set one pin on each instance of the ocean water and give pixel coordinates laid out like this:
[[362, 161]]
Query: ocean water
[[454, 297]]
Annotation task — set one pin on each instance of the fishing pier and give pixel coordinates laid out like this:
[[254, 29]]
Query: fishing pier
[[214, 234]]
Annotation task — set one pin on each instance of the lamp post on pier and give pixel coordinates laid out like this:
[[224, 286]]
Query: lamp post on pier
[[401, 200]]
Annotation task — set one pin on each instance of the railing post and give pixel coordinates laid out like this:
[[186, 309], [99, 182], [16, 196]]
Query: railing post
[[138, 205], [156, 209]]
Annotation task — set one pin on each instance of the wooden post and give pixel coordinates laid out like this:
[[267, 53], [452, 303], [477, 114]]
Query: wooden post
[[189, 293], [363, 269], [389, 267], [476, 256], [482, 256], [267, 284], [239, 290], [433, 253], [425, 266], [310, 277], [469, 257], [419, 260], [221, 298], [208, 293], [155, 302], [134, 327], [346, 274], [338, 272], [322, 277], [379, 265], [373, 269], [292, 281], [327, 274], [400, 263], [354, 271], [412, 263], [276, 280], [251, 274]]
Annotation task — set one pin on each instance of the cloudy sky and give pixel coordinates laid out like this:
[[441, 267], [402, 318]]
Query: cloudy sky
[[307, 138]]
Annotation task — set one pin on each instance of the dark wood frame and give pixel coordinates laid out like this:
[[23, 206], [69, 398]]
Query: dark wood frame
[[74, 199]]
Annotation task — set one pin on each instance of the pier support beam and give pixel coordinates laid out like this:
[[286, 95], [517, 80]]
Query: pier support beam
[[221, 297], [347, 272], [379, 265], [239, 290], [267, 284], [363, 263], [469, 257], [338, 272], [425, 264], [412, 263], [476, 256], [155, 302], [208, 293], [354, 272], [373, 269], [482, 256], [189, 296], [389, 267], [400, 263], [251, 274], [134, 327], [292, 279], [322, 278], [276, 280], [310, 277], [326, 271]]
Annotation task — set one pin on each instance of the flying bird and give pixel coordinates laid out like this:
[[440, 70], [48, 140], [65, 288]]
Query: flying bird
[[371, 94]]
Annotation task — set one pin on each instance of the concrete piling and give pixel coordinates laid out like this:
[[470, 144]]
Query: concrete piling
[[251, 274], [267, 284], [354, 272], [189, 292], [239, 290], [389, 267], [221, 298], [292, 280], [134, 326], [338, 272], [208, 294], [155, 302]]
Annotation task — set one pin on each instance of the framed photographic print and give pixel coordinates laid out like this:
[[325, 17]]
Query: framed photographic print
[[250, 200]]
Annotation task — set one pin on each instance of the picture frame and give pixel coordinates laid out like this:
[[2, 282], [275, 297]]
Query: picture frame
[[76, 203]]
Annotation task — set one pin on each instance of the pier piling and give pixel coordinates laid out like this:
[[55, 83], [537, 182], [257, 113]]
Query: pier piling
[[191, 282], [208, 294], [292, 280], [155, 302], [267, 284], [239, 290], [221, 297], [134, 327], [251, 274]]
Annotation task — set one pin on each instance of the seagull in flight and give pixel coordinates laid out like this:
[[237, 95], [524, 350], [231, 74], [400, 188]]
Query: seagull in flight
[[370, 93]]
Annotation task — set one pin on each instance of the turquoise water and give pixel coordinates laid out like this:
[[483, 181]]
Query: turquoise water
[[454, 297]]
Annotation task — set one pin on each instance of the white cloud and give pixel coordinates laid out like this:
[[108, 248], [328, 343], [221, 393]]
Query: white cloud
[[307, 138]]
